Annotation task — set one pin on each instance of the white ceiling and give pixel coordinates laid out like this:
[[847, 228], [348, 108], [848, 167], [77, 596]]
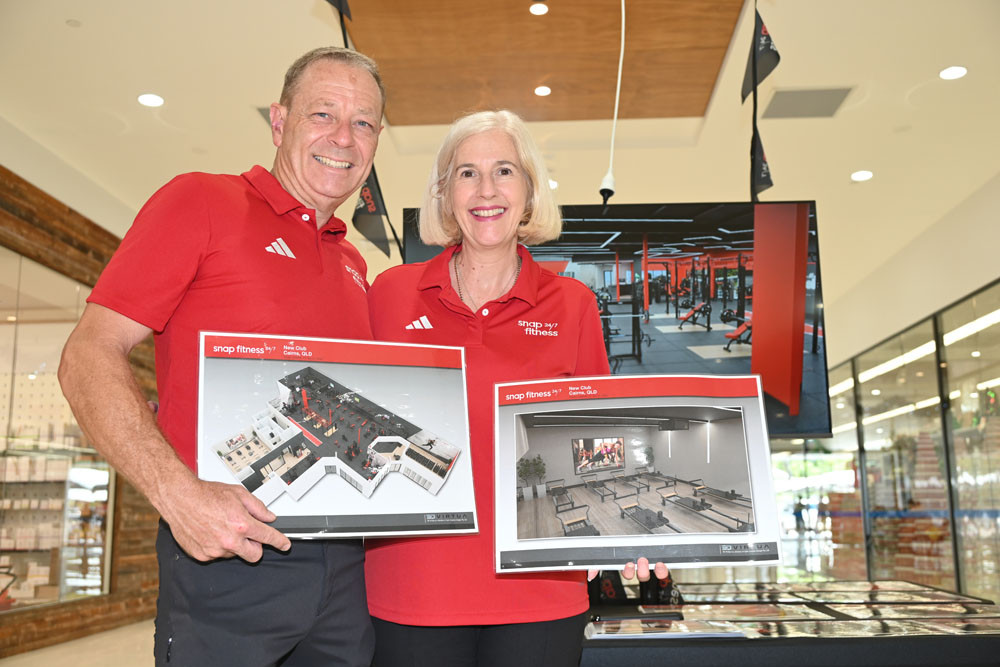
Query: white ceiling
[[69, 91]]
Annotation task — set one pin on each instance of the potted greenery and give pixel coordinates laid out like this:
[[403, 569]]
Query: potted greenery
[[532, 468], [524, 474]]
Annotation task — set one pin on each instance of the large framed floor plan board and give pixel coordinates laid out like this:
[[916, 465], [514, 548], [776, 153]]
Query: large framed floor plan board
[[339, 438], [595, 472]]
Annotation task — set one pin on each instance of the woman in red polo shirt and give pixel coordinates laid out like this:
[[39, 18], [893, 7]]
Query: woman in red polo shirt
[[437, 600]]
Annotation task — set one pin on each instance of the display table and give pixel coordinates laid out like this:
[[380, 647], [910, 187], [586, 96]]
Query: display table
[[938, 650], [884, 624]]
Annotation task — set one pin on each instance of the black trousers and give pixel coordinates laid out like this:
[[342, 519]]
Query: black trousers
[[543, 644], [297, 609]]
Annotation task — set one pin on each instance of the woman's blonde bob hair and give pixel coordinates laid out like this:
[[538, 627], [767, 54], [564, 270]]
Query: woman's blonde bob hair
[[542, 221]]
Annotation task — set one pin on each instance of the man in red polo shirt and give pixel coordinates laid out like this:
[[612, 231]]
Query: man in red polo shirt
[[258, 252]]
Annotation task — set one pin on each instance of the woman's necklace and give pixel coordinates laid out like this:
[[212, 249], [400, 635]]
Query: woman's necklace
[[458, 280]]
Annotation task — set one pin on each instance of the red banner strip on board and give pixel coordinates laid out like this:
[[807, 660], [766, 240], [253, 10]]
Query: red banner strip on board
[[330, 351], [627, 387]]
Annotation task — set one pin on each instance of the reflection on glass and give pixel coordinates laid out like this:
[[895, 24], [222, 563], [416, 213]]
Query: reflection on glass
[[819, 497], [840, 511], [972, 353], [819, 508], [84, 552], [906, 470], [53, 488]]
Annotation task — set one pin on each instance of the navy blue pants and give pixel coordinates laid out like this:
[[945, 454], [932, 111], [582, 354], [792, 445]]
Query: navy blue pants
[[544, 644], [301, 608]]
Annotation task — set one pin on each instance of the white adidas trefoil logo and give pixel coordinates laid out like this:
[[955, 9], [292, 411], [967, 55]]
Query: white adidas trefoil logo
[[279, 247], [422, 323]]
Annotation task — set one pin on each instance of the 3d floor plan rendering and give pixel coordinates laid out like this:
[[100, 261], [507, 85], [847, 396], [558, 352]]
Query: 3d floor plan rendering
[[316, 426]]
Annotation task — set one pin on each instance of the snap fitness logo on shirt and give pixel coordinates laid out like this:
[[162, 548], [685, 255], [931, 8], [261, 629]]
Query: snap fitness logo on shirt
[[357, 277], [534, 328]]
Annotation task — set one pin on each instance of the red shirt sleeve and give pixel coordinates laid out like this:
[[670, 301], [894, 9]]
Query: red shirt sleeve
[[159, 257]]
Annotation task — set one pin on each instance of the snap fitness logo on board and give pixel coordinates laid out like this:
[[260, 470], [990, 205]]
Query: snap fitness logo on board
[[232, 350], [535, 328]]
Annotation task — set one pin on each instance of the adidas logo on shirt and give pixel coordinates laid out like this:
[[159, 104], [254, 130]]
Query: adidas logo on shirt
[[422, 323], [279, 247]]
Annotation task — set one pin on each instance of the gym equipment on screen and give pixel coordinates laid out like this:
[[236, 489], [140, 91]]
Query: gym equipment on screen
[[715, 288]]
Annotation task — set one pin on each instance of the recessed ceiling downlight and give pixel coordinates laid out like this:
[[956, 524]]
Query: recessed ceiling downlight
[[538, 8], [543, 91], [861, 176], [953, 72], [150, 100]]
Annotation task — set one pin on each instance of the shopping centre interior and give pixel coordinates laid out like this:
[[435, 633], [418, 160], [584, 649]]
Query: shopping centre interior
[[902, 483]]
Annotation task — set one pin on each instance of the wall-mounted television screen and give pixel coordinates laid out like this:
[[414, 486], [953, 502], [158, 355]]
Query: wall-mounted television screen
[[596, 454], [710, 288]]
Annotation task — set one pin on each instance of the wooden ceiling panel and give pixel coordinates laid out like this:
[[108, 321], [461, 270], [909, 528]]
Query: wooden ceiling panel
[[443, 58]]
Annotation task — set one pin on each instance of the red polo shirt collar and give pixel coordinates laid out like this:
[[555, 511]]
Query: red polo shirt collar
[[438, 274], [282, 202]]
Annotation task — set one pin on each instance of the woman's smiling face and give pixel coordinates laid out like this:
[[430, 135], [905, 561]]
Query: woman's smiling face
[[489, 191]]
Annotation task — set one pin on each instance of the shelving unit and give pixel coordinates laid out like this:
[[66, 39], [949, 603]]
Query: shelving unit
[[53, 510]]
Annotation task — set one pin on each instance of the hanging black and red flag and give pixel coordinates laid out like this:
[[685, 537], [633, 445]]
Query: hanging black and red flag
[[767, 57], [369, 214], [763, 59], [341, 6], [761, 172], [370, 209]]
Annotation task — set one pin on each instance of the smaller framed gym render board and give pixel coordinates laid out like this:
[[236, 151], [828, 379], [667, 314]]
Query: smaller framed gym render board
[[339, 438], [695, 488]]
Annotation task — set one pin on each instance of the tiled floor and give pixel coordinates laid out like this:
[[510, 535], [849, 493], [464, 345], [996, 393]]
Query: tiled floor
[[128, 646]]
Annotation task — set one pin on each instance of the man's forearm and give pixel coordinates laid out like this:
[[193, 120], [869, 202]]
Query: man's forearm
[[208, 519], [97, 381]]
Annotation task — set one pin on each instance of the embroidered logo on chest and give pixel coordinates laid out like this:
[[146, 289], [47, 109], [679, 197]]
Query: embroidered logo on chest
[[279, 247], [420, 323], [358, 278], [536, 328]]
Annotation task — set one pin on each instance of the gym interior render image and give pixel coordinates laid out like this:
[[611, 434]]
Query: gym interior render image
[[634, 471], [316, 426]]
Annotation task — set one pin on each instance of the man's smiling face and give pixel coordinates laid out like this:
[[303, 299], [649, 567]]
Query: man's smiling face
[[327, 135]]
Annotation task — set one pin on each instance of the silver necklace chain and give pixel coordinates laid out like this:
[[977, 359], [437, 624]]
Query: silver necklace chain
[[458, 279]]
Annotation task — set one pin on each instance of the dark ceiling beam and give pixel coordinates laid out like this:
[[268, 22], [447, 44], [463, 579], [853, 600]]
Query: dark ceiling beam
[[40, 227]]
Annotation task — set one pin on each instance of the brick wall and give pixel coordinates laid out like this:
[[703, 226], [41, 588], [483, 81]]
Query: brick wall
[[39, 227]]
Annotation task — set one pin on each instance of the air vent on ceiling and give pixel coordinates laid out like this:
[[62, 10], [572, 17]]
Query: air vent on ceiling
[[811, 103]]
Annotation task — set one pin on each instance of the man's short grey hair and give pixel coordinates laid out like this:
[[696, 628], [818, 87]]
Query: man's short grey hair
[[335, 54]]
